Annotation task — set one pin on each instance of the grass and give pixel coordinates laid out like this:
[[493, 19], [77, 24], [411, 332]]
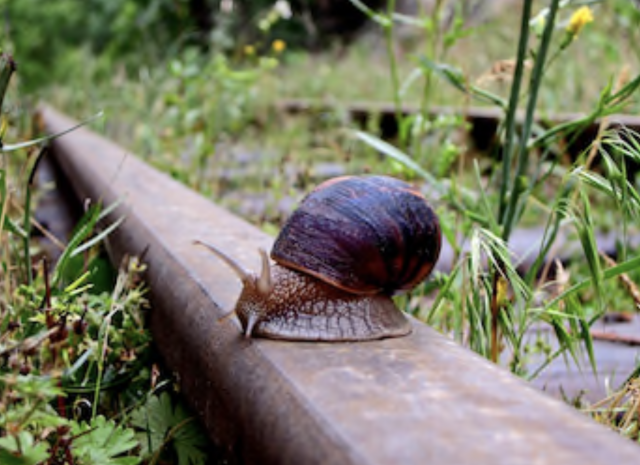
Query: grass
[[485, 53], [78, 379], [178, 130]]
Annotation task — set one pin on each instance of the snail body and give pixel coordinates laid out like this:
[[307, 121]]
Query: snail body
[[351, 244], [302, 307]]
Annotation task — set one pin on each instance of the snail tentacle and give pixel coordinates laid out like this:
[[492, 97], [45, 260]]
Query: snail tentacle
[[244, 275], [265, 285], [252, 319]]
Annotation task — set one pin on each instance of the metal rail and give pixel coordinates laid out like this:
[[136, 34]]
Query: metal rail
[[417, 399], [483, 121]]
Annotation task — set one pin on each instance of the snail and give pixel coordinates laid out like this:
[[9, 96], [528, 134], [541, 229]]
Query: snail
[[351, 244]]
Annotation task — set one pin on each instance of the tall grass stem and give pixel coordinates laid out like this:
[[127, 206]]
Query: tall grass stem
[[393, 65], [534, 86], [510, 120]]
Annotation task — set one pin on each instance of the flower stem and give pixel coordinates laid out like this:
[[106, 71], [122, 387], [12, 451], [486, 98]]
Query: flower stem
[[393, 66], [505, 186], [523, 153]]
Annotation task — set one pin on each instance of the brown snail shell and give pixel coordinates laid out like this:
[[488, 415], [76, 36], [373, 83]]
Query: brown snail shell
[[364, 234], [352, 243]]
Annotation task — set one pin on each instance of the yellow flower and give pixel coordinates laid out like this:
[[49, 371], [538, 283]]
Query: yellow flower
[[581, 17], [249, 50], [278, 46]]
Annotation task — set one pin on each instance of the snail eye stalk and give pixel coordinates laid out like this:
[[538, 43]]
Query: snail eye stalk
[[244, 275], [264, 282]]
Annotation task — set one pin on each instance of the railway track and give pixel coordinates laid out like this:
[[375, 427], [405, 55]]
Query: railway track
[[483, 121], [416, 399]]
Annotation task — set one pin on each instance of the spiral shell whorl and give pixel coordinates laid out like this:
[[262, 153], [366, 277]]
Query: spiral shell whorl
[[366, 235]]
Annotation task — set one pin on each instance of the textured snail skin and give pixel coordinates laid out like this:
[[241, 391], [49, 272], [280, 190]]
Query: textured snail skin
[[301, 307]]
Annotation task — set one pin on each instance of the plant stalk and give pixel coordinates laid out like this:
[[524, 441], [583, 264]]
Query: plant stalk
[[393, 66], [7, 68], [505, 186], [495, 312], [523, 153]]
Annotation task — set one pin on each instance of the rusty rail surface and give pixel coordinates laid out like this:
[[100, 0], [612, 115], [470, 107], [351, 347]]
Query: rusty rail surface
[[483, 121], [417, 399]]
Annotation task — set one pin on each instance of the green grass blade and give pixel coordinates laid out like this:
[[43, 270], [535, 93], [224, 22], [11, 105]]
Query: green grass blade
[[29, 143], [392, 152], [443, 293], [587, 340], [382, 20], [522, 161], [454, 77], [14, 228], [586, 235], [609, 273], [510, 117], [83, 230], [98, 237], [7, 68], [484, 203]]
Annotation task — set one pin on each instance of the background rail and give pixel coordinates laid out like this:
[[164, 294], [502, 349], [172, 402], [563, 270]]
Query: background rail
[[483, 121]]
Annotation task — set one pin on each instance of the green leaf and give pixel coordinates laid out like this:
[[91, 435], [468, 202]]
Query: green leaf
[[85, 227], [484, 203], [102, 441], [391, 151], [14, 228], [444, 293], [103, 275], [382, 20], [585, 336], [30, 386], [29, 143], [165, 425], [455, 78], [447, 72], [585, 229], [497, 252], [98, 237], [7, 68], [188, 440], [27, 453], [410, 20], [154, 418], [612, 272]]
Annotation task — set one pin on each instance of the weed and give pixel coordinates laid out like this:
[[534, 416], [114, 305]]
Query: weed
[[498, 305], [75, 355]]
